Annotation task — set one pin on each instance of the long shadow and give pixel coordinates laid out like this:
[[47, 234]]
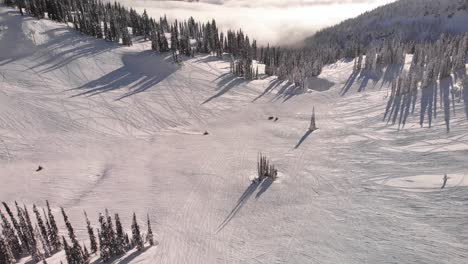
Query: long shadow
[[265, 185], [408, 107], [289, 91], [273, 84], [390, 103], [427, 102], [391, 73], [445, 86], [349, 83], [395, 109], [240, 203], [125, 260], [414, 99], [140, 72], [304, 137], [128, 259], [364, 81], [225, 84]]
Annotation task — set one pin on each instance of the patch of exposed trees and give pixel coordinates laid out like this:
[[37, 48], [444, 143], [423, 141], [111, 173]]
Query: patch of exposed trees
[[23, 236], [431, 63], [265, 169]]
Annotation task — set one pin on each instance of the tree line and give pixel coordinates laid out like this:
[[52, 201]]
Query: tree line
[[114, 22], [21, 237]]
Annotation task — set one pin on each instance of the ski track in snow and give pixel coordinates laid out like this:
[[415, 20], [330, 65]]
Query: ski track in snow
[[119, 129]]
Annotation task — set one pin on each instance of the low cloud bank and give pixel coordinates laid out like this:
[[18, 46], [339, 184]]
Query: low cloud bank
[[279, 22]]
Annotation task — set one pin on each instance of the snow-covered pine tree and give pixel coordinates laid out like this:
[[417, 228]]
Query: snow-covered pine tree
[[146, 25], [86, 252], [313, 126], [149, 233], [43, 231], [40, 238], [68, 253], [53, 231], [76, 252], [104, 246], [22, 237], [127, 242], [92, 237], [28, 230], [110, 236], [5, 257], [119, 236], [136, 235], [10, 237]]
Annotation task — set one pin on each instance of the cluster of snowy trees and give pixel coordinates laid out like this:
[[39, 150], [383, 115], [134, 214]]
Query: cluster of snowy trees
[[432, 62], [22, 237]]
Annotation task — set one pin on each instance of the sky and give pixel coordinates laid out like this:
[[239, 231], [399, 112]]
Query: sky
[[279, 22]]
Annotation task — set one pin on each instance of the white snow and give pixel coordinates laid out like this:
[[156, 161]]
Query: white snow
[[426, 183], [121, 128]]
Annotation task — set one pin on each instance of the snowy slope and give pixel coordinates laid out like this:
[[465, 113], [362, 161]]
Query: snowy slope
[[407, 20], [120, 128]]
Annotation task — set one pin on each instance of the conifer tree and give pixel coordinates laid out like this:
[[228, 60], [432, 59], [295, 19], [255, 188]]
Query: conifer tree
[[67, 250], [10, 237], [136, 235], [5, 257], [76, 252], [43, 230], [104, 245], [22, 237], [149, 234], [120, 239], [85, 252], [28, 231], [53, 232], [92, 237], [110, 236]]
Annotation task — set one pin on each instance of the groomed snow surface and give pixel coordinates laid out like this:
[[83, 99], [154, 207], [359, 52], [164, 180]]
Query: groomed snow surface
[[121, 128]]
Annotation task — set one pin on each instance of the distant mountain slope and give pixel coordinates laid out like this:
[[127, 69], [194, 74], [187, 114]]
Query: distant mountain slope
[[407, 20]]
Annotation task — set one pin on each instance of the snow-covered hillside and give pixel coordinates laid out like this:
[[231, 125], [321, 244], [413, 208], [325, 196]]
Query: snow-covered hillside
[[407, 20], [121, 128]]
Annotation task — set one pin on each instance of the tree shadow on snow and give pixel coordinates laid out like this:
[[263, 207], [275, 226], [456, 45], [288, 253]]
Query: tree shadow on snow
[[271, 86], [262, 187], [72, 46], [240, 203], [140, 72], [364, 77], [226, 82], [287, 91], [304, 137], [351, 79], [123, 260]]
